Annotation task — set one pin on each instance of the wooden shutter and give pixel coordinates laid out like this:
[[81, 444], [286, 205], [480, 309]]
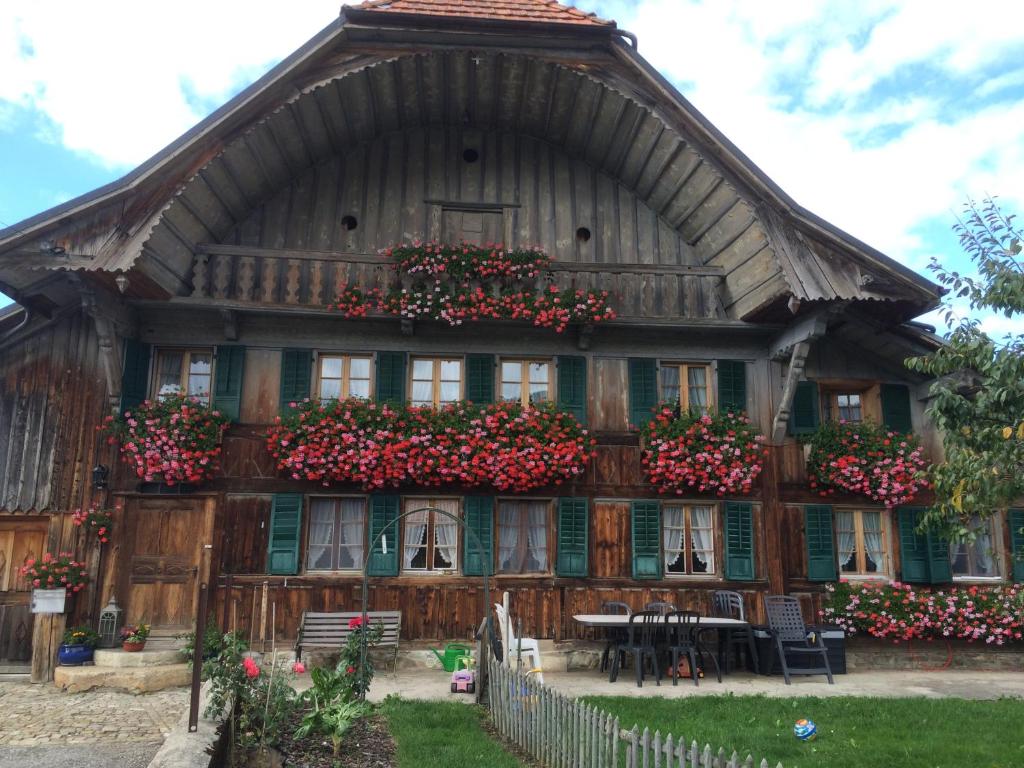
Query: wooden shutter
[[572, 537], [896, 407], [643, 390], [820, 541], [479, 379], [572, 386], [646, 526], [285, 527], [296, 375], [803, 416], [914, 554], [383, 510], [479, 520], [1015, 517], [227, 383], [739, 541], [391, 377], [732, 385], [135, 378], [940, 569]]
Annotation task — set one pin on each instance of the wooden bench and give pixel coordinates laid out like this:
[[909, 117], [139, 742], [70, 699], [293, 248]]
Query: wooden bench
[[330, 631]]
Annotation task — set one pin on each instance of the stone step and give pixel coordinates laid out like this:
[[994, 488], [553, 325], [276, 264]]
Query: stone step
[[131, 679], [117, 658]]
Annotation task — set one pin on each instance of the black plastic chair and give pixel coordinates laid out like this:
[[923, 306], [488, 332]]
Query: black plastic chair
[[727, 604], [661, 608], [790, 635], [613, 635], [641, 641], [684, 630]]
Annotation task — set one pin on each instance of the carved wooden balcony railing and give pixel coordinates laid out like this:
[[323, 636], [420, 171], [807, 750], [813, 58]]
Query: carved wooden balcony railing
[[259, 276]]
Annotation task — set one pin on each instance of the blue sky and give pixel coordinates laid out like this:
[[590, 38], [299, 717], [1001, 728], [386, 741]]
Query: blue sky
[[879, 115]]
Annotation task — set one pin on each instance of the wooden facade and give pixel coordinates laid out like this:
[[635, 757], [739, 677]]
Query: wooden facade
[[391, 128]]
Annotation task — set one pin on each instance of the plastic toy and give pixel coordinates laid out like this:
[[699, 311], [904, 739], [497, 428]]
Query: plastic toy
[[464, 680], [805, 730]]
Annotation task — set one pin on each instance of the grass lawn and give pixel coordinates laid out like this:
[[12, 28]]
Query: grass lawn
[[854, 732], [438, 734]]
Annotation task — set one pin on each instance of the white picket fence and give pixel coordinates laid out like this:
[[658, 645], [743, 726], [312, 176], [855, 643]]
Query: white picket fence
[[560, 732]]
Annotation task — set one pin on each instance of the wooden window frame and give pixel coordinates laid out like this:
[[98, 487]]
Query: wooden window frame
[[870, 392], [684, 382], [335, 542], [885, 570], [716, 541], [996, 535], [436, 361], [346, 371], [524, 381], [550, 537], [430, 546], [186, 365]]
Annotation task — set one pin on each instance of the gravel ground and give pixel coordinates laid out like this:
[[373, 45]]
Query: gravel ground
[[79, 756]]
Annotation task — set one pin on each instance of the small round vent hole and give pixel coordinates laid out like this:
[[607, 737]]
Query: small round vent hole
[[349, 222], [470, 155], [583, 235]]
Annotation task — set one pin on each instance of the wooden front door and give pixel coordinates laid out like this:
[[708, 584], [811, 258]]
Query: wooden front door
[[161, 561], [20, 539]]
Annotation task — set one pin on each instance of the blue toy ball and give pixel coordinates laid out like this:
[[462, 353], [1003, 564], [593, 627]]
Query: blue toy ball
[[805, 730]]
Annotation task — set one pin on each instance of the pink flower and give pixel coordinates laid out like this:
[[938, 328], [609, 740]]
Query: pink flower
[[298, 667], [252, 669]]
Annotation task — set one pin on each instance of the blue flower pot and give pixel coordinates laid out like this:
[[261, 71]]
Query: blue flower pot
[[74, 655]]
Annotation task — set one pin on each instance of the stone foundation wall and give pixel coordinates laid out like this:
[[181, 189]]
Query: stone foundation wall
[[863, 654]]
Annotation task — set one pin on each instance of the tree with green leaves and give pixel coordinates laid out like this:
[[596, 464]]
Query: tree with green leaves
[[977, 399]]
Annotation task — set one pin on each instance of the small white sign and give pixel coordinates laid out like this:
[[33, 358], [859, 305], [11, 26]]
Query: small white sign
[[48, 600]]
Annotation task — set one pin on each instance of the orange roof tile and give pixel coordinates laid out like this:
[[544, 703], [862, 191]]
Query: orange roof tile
[[537, 11]]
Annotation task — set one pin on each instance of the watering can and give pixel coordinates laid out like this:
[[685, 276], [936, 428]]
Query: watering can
[[452, 653]]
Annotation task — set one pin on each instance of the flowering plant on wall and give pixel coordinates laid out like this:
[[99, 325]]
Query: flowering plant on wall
[[993, 614], [176, 439], [379, 445], [867, 459], [55, 571], [718, 452], [466, 282], [94, 519]]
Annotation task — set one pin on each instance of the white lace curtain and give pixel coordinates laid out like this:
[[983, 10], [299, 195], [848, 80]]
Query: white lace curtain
[[522, 536], [984, 560], [321, 534], [415, 531], [873, 538], [446, 533], [351, 533], [846, 536], [673, 530], [702, 536]]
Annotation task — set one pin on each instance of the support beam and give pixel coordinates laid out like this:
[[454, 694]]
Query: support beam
[[584, 338], [106, 336], [230, 318], [793, 376], [808, 329]]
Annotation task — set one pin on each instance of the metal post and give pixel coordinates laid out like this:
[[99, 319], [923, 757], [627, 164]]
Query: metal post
[[197, 646]]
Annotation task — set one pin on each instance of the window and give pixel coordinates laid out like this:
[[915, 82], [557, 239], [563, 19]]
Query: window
[[431, 540], [342, 376], [523, 536], [188, 371], [528, 381], [845, 406], [436, 381], [688, 541], [862, 542], [687, 384], [976, 559], [337, 534]]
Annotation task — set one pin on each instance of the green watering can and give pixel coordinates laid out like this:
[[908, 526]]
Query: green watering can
[[452, 653]]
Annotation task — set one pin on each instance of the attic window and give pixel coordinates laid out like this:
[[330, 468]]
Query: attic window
[[349, 222], [470, 155]]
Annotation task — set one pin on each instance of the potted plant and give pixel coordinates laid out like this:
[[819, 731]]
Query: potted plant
[[78, 646], [133, 637], [52, 578]]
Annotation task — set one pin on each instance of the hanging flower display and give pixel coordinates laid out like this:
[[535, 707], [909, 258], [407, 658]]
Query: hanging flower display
[[463, 283], [94, 519], [173, 440], [380, 445], [55, 571], [720, 453], [864, 458]]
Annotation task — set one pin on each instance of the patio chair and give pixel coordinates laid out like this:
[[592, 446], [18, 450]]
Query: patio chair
[[661, 608], [791, 638], [514, 648], [613, 635], [727, 604], [641, 641]]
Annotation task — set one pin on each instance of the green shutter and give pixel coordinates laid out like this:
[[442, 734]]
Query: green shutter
[[820, 541], [914, 554], [285, 527], [732, 385], [803, 416], [896, 407], [940, 569], [383, 511], [643, 390], [135, 379], [391, 377], [479, 379], [739, 541], [296, 375], [572, 386], [479, 512], [572, 537], [227, 383], [1015, 517], [646, 525]]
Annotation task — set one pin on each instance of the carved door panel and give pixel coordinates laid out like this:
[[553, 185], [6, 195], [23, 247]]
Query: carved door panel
[[20, 539], [480, 227], [166, 536]]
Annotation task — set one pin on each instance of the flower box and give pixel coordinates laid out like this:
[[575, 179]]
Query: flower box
[[49, 600]]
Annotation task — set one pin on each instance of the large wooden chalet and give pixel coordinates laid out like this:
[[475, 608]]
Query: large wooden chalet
[[211, 267]]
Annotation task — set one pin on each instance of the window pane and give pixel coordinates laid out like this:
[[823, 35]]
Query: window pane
[[359, 388], [359, 368], [423, 369], [449, 391], [976, 558], [846, 540], [673, 535], [422, 393], [874, 542], [321, 534], [523, 537], [330, 367], [330, 388], [670, 383], [702, 539], [169, 373], [538, 373], [698, 388], [511, 391], [511, 371], [537, 537], [200, 368], [414, 551], [446, 533], [451, 370], [352, 534]]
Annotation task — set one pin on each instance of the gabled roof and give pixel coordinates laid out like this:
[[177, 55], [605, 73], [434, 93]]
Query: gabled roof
[[530, 11]]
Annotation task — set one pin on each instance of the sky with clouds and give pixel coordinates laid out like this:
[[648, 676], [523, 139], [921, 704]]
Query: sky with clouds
[[879, 115]]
